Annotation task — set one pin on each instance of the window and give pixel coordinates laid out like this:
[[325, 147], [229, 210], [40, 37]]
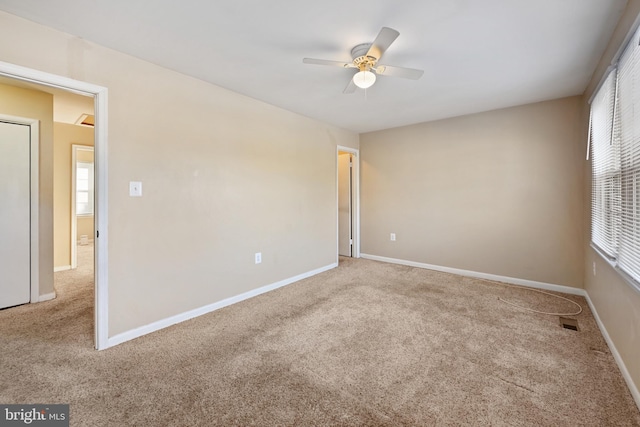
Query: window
[[605, 162], [84, 188], [615, 150]]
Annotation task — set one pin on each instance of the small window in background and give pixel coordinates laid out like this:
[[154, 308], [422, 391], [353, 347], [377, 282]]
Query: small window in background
[[84, 188]]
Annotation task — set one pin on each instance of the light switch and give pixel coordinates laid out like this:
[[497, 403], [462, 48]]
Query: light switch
[[135, 189]]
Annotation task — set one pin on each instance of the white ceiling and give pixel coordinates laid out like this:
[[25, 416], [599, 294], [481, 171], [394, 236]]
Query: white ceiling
[[478, 55]]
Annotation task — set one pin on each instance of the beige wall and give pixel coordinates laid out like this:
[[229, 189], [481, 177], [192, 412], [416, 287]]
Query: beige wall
[[224, 176], [617, 304], [64, 136], [498, 192], [85, 227], [33, 104]]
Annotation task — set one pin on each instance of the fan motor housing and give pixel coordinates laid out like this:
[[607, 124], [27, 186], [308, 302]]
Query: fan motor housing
[[360, 50], [360, 58]]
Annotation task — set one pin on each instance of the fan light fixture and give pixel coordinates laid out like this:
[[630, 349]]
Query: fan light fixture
[[364, 79], [365, 62]]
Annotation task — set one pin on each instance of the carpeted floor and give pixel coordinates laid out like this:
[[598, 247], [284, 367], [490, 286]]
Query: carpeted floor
[[367, 343]]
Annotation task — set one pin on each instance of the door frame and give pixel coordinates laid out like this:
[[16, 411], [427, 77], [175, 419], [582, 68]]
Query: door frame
[[99, 95], [34, 203], [355, 199], [74, 217]]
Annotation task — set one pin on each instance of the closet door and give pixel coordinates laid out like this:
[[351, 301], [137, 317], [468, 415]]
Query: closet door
[[15, 199]]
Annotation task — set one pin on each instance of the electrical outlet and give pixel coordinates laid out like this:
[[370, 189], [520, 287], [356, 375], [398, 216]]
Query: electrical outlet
[[258, 257], [393, 237], [594, 268]]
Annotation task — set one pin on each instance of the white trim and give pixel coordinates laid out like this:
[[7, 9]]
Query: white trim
[[35, 210], [356, 200], [616, 355], [47, 297], [74, 224], [74, 217], [616, 56], [34, 194], [633, 283], [101, 261], [100, 143], [625, 42], [169, 321], [486, 276], [61, 268]]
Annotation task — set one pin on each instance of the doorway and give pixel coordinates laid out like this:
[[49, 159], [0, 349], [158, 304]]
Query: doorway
[[348, 202], [99, 94]]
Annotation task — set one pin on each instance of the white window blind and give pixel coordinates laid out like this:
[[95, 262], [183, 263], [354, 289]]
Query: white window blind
[[615, 152], [629, 127], [605, 161]]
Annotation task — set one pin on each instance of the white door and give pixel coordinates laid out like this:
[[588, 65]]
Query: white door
[[344, 204], [15, 220]]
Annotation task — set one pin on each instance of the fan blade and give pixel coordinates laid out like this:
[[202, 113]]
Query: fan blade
[[385, 37], [351, 87], [327, 62], [406, 73]]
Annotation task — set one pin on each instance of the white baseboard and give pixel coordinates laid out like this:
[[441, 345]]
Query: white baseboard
[[160, 324], [616, 355], [47, 297], [61, 268], [486, 276]]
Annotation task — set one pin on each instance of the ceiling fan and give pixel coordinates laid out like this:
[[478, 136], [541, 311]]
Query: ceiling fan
[[365, 59]]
